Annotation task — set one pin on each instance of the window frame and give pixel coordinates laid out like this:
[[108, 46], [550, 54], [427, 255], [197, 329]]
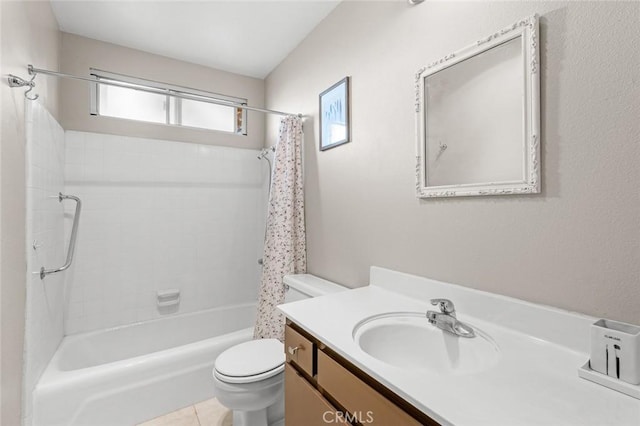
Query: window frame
[[173, 104]]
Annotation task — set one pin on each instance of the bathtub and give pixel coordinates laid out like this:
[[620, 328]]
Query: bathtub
[[125, 375]]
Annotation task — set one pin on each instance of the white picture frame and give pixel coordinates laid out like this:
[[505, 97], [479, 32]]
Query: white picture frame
[[478, 117]]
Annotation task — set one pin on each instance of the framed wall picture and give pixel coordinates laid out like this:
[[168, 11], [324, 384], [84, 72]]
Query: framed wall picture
[[334, 115]]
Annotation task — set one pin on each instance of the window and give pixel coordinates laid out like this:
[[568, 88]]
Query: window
[[197, 111]]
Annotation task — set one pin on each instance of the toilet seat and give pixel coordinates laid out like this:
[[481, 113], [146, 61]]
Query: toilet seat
[[250, 361]]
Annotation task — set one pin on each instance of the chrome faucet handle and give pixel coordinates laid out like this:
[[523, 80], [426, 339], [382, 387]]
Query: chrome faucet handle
[[446, 306]]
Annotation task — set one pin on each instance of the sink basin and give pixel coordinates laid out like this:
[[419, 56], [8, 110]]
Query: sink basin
[[407, 340]]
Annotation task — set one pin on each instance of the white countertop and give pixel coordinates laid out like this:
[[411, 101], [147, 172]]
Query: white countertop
[[534, 382]]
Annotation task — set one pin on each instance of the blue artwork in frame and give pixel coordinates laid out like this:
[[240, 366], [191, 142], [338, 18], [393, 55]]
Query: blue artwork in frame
[[334, 115]]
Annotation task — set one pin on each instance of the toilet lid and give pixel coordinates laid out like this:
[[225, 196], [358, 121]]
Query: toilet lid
[[261, 357]]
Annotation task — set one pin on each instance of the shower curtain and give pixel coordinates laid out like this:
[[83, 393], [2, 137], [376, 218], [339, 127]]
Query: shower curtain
[[285, 241]]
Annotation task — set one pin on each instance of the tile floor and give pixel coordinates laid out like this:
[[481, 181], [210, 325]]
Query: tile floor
[[205, 413]]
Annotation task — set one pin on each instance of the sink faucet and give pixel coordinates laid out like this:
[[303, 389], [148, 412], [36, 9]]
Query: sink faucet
[[446, 306], [446, 319]]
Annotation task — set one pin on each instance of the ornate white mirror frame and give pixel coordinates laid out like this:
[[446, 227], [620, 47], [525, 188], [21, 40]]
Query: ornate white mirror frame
[[507, 165]]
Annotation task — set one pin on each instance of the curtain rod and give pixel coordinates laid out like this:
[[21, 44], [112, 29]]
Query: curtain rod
[[15, 81]]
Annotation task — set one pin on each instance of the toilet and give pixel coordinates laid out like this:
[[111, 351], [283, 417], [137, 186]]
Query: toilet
[[249, 378]]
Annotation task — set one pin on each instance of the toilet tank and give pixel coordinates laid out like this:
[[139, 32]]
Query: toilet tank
[[305, 286]]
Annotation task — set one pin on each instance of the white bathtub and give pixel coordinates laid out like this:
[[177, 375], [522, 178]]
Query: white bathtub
[[125, 375]]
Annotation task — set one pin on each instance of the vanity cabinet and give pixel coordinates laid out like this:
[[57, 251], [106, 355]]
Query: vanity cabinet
[[323, 388], [305, 405], [299, 350]]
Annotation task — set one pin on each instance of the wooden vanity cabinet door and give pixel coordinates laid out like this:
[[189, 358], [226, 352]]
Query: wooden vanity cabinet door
[[299, 350], [304, 405], [357, 397]]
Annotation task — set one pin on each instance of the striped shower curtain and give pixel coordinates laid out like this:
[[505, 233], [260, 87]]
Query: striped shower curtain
[[285, 240]]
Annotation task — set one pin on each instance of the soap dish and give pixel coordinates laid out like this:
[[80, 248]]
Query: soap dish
[[627, 388]]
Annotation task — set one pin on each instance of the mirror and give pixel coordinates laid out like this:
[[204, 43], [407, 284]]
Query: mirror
[[477, 115]]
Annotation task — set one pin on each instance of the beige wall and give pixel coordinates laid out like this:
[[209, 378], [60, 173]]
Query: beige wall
[[80, 53], [575, 246], [29, 35]]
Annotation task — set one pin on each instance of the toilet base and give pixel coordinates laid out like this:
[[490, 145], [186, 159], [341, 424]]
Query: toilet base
[[250, 418], [258, 403], [275, 412], [270, 416]]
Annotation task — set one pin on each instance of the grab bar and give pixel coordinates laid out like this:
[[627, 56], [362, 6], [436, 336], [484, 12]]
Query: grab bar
[[72, 239]]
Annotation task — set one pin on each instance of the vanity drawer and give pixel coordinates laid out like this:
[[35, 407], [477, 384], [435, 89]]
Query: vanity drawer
[[299, 350], [357, 397], [304, 405]]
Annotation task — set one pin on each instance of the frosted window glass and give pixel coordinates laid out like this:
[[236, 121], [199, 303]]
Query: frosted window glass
[[132, 104], [208, 116], [126, 102]]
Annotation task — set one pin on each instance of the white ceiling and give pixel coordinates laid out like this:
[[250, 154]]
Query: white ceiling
[[243, 37]]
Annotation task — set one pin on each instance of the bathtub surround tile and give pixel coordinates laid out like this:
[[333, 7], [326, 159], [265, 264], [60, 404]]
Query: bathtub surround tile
[[157, 215], [44, 325]]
